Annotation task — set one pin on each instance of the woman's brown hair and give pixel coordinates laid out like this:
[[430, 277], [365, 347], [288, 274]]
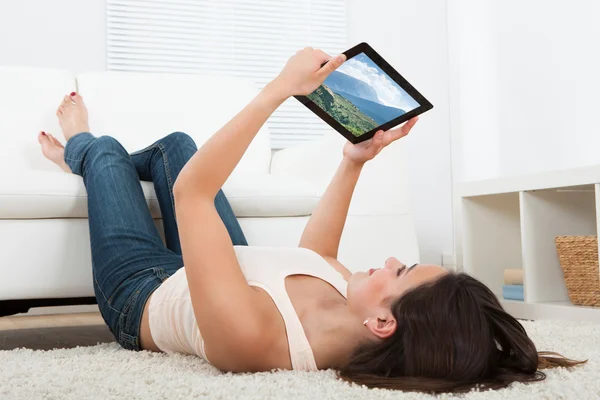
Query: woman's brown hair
[[452, 336]]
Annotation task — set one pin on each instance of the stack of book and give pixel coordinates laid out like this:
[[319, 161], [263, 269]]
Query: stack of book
[[513, 285]]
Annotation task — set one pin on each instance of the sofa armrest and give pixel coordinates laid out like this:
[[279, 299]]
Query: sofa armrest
[[381, 190]]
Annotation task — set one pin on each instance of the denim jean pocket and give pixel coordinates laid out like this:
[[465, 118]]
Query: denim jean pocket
[[133, 308], [107, 311], [127, 334]]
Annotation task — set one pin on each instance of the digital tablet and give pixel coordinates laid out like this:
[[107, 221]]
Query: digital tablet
[[364, 95]]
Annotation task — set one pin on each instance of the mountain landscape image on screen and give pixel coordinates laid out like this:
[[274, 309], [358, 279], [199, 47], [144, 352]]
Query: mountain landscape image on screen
[[353, 103]]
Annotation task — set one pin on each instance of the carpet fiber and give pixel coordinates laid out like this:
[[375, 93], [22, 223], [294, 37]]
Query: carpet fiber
[[106, 371]]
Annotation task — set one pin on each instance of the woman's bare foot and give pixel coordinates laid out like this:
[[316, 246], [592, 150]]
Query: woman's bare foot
[[53, 150], [72, 116]]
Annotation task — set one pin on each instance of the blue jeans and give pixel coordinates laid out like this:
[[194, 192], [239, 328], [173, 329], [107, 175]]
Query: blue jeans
[[129, 259]]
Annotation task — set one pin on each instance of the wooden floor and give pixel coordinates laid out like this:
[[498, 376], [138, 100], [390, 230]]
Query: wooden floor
[[50, 321], [46, 332]]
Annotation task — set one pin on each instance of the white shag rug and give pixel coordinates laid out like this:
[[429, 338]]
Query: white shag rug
[[107, 371]]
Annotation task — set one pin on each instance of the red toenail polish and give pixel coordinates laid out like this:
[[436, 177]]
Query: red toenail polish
[[73, 93], [43, 133]]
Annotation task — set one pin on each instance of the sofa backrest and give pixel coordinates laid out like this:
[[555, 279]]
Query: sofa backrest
[[135, 108], [29, 98], [140, 108]]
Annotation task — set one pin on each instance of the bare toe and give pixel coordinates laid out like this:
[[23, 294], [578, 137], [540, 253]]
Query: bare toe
[[52, 151], [61, 109], [76, 98], [48, 148], [72, 115], [41, 136], [55, 140]]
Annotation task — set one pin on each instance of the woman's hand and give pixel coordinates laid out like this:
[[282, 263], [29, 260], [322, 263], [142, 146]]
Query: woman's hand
[[302, 74], [367, 150]]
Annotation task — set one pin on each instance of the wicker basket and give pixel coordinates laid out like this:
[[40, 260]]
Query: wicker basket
[[578, 257]]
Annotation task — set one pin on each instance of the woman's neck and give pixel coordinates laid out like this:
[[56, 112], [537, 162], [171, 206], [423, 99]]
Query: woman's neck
[[335, 333]]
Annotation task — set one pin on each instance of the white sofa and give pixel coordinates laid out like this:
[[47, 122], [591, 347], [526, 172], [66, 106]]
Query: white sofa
[[43, 211]]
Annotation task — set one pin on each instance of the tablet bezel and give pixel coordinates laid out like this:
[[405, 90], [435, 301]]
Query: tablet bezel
[[424, 104]]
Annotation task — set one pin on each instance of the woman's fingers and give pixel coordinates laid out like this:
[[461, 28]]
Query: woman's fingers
[[331, 66], [408, 125], [322, 55], [400, 132], [379, 142]]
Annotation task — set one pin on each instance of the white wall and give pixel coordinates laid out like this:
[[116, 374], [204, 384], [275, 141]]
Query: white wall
[[524, 86], [64, 34], [411, 35]]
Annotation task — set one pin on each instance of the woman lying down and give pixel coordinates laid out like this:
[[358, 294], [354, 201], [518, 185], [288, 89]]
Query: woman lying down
[[243, 308]]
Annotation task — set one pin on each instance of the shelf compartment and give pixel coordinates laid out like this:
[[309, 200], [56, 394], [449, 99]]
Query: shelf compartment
[[546, 214], [491, 237]]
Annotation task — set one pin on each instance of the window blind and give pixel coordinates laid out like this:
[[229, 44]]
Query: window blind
[[244, 38]]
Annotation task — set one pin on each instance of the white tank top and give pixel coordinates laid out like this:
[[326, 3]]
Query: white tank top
[[171, 317]]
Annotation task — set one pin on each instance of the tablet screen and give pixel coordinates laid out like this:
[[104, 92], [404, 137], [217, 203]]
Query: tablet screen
[[361, 96]]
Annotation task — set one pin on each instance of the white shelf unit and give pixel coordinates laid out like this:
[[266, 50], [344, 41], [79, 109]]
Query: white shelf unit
[[512, 223]]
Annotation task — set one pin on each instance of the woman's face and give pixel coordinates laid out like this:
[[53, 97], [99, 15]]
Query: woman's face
[[378, 288]]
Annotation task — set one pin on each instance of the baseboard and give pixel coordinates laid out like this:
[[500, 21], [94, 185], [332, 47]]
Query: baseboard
[[48, 306]]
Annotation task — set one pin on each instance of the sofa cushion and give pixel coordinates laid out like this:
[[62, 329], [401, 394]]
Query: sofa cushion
[[140, 108], [49, 194], [267, 195], [29, 98]]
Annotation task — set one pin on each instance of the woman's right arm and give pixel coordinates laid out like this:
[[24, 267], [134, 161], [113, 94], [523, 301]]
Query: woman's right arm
[[323, 231]]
